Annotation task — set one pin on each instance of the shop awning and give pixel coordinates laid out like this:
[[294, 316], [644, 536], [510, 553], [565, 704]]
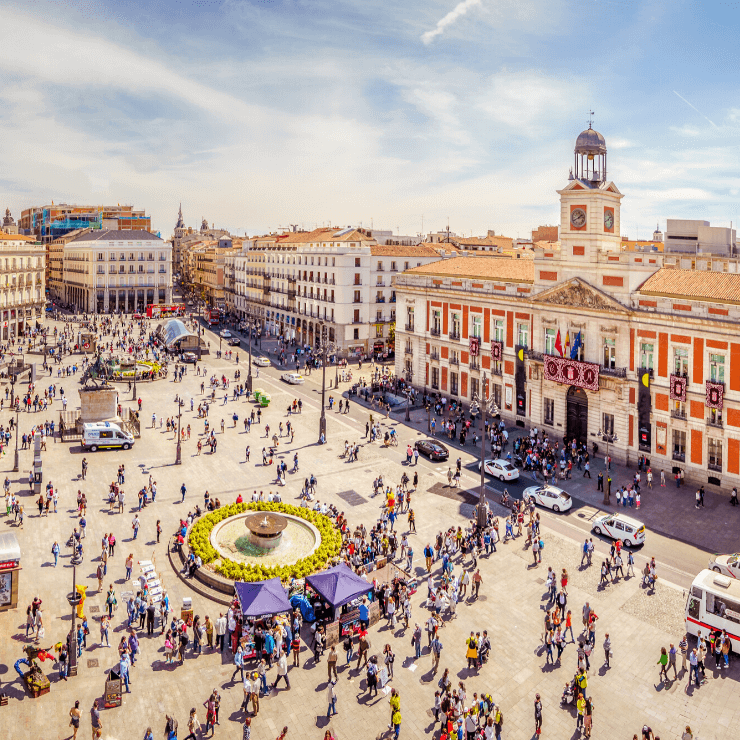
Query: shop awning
[[262, 598], [9, 547], [338, 585], [173, 331]]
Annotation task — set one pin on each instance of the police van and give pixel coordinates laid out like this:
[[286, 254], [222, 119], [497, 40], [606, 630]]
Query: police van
[[105, 434]]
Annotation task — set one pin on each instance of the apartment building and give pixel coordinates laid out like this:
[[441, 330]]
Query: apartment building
[[116, 271], [22, 290]]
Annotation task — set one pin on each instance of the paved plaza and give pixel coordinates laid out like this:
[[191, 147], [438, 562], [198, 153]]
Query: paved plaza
[[511, 606]]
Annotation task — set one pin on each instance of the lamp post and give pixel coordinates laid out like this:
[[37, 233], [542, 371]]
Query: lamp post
[[325, 347], [408, 403], [429, 417], [12, 391], [608, 438], [134, 376], [249, 369], [336, 368], [178, 456], [485, 403], [16, 460]]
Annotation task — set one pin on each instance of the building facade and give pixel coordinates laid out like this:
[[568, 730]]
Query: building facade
[[294, 283], [22, 290], [116, 271], [637, 350]]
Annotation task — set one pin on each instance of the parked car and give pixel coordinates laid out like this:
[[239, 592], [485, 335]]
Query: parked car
[[620, 527], [189, 357], [432, 449], [551, 497], [727, 565], [261, 362], [501, 469], [292, 378]]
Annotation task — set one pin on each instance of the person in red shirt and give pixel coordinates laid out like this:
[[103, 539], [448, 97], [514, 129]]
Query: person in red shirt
[[239, 499]]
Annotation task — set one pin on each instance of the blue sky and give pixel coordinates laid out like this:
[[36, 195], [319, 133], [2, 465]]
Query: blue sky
[[263, 113]]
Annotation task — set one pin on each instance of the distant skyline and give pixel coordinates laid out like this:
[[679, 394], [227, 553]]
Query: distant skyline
[[264, 113]]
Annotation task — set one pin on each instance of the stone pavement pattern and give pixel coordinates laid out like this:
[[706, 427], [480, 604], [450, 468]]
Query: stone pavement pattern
[[510, 608]]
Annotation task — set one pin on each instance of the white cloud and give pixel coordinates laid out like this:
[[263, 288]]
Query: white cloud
[[443, 23]]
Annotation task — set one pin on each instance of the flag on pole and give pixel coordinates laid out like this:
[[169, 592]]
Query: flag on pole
[[567, 343], [577, 344], [558, 345]]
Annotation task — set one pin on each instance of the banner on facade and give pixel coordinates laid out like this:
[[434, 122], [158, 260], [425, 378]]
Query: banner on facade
[[497, 351], [571, 372], [474, 346], [715, 395], [678, 388]]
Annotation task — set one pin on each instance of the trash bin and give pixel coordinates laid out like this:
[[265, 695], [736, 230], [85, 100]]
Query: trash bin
[[113, 694]]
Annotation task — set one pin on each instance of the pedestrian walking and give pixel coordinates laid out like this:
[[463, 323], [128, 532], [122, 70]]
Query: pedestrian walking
[[663, 662], [537, 715]]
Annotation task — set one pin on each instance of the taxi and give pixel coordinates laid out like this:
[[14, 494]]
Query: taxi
[[620, 527], [551, 497], [727, 565]]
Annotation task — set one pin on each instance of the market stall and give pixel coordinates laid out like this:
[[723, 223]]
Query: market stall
[[10, 566], [261, 605]]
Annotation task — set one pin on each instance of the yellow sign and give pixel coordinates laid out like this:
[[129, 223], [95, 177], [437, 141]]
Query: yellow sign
[[520, 354]]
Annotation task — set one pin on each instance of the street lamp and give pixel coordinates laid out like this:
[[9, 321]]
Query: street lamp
[[325, 347], [485, 403], [178, 457], [12, 390], [608, 438], [134, 377], [16, 461], [249, 369]]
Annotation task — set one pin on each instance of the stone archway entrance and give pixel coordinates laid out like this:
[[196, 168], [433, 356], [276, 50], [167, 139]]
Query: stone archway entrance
[[577, 415]]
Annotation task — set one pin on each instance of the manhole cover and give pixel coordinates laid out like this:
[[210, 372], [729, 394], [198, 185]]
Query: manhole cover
[[94, 609], [92, 663], [540, 580], [352, 498]]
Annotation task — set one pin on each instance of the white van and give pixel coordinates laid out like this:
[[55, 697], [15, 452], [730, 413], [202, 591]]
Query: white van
[[104, 434], [714, 604]]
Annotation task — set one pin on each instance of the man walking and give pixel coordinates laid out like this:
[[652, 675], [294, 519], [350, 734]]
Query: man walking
[[436, 652]]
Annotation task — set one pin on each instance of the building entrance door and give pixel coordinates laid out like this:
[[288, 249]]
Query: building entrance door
[[577, 415]]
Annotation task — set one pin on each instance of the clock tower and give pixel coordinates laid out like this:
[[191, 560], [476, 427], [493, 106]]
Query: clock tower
[[589, 204]]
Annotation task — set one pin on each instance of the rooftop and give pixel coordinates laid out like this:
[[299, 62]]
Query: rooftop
[[392, 250], [695, 284], [109, 235], [506, 269]]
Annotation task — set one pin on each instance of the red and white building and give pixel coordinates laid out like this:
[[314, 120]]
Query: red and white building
[[588, 341]]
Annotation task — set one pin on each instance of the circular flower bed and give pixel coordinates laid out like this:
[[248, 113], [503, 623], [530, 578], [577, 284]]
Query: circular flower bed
[[200, 543]]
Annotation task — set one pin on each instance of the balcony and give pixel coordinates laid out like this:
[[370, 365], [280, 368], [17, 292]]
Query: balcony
[[393, 299], [454, 335], [357, 300], [454, 360], [380, 299], [614, 372], [533, 355], [678, 414], [408, 351], [435, 331], [496, 370], [380, 284], [716, 467], [434, 355], [717, 423], [474, 365], [358, 321], [680, 456], [357, 282], [409, 327]]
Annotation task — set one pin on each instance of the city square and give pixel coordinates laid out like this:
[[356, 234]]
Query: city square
[[511, 604]]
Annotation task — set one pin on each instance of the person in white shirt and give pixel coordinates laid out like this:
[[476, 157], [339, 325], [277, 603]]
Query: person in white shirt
[[282, 671]]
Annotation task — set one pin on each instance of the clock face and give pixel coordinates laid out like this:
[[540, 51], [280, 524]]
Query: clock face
[[578, 217], [608, 220]]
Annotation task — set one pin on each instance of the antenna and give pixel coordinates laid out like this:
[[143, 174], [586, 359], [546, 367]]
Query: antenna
[[590, 118]]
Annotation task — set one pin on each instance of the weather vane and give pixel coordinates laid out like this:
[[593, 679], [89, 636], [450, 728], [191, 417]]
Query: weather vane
[[590, 118]]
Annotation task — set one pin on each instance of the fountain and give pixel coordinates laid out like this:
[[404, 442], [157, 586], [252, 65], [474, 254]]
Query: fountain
[[271, 539], [266, 531]]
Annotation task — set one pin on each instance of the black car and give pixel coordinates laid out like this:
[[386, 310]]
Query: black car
[[234, 342], [432, 449]]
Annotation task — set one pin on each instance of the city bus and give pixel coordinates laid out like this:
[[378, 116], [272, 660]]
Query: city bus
[[214, 316], [156, 310], [714, 604]]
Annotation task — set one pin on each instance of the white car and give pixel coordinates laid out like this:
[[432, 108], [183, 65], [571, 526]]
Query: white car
[[620, 527], [261, 362], [728, 565], [225, 333], [292, 378], [501, 469], [551, 497]]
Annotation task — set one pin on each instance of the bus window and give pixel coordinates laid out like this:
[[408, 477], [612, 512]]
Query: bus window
[[727, 609], [694, 602]]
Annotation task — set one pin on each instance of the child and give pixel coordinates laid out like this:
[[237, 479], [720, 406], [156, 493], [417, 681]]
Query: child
[[637, 500]]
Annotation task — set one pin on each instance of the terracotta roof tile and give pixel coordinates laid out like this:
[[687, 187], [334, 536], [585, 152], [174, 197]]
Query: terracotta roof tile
[[696, 284], [504, 269], [396, 250]]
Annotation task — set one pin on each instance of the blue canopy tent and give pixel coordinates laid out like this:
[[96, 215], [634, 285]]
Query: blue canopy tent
[[338, 585], [262, 598]]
